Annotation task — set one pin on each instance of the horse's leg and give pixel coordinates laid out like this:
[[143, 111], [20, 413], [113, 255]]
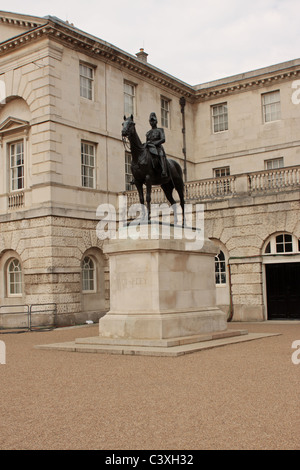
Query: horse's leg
[[139, 188], [148, 195], [180, 191], [179, 186], [168, 190]]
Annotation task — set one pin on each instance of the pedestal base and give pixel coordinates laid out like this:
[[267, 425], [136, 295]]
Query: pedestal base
[[162, 326], [161, 289]]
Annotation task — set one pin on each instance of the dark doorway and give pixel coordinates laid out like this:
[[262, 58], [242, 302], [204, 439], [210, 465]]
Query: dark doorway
[[283, 290]]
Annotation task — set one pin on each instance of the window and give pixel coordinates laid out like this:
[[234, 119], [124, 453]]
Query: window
[[282, 243], [129, 98], [128, 173], [271, 106], [224, 171], [220, 117], [88, 275], [222, 186], [16, 153], [86, 81], [14, 278], [274, 163], [165, 112], [220, 268], [87, 165], [274, 179]]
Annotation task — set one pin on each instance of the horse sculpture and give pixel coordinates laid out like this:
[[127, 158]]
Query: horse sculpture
[[144, 167]]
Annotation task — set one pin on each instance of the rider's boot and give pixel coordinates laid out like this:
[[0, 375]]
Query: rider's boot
[[164, 166]]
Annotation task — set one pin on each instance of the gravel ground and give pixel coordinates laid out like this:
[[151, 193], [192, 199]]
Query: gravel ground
[[242, 396]]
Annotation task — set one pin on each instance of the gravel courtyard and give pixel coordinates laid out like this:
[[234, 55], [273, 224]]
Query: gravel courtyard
[[240, 396]]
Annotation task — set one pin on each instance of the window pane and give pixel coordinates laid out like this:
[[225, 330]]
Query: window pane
[[17, 165], [14, 277], [87, 165], [128, 173], [271, 106], [129, 97], [220, 268], [165, 105], [86, 81], [220, 117], [88, 274]]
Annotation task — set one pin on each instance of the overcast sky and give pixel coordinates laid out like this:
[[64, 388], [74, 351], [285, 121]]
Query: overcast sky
[[194, 40]]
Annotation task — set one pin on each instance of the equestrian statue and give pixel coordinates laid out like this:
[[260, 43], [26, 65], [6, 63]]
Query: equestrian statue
[[150, 166]]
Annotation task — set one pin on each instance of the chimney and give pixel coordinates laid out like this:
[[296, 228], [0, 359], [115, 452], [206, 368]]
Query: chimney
[[142, 55]]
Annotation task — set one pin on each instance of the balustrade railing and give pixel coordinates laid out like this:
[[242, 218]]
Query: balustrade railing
[[259, 182], [278, 180], [16, 200]]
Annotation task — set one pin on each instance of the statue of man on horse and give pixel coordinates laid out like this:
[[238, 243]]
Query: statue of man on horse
[[144, 168]]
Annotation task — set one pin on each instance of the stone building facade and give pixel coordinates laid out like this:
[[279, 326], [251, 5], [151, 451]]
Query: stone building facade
[[63, 94]]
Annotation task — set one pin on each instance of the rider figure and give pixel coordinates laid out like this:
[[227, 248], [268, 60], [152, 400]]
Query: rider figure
[[155, 138]]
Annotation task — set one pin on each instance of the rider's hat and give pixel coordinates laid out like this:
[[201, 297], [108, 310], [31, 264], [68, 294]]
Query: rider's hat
[[152, 115]]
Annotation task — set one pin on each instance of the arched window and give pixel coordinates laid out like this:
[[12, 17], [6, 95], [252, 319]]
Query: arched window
[[88, 275], [220, 268], [14, 277], [281, 244]]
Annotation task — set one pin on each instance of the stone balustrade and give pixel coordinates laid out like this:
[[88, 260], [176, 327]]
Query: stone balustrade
[[256, 183]]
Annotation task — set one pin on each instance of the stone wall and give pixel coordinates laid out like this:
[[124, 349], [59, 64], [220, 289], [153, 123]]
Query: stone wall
[[50, 250]]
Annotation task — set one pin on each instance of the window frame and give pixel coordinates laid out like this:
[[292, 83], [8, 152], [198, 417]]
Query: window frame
[[271, 245], [272, 162], [86, 166], [10, 274], [165, 112], [84, 79], [128, 172], [267, 109], [220, 269], [215, 118], [16, 168], [129, 108], [92, 275]]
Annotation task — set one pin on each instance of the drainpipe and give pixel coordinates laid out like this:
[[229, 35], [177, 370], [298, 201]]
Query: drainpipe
[[182, 103], [230, 316]]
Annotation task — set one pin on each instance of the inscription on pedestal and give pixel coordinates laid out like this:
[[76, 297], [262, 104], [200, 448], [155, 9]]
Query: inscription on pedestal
[[129, 282]]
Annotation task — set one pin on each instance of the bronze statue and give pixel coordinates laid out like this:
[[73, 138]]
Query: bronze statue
[[144, 165], [155, 138]]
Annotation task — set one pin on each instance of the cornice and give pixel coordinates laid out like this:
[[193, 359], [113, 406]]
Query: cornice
[[69, 36], [19, 20], [239, 86], [98, 49]]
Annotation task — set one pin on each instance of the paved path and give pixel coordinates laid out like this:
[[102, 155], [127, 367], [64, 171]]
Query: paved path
[[240, 396]]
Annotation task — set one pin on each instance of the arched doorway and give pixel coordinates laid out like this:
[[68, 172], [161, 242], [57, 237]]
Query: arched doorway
[[281, 257]]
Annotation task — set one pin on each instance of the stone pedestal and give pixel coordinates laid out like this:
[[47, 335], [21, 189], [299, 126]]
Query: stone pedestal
[[160, 290]]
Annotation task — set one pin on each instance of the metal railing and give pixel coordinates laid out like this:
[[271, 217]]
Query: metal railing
[[24, 317]]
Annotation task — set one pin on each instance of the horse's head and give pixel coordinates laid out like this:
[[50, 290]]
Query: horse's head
[[128, 126]]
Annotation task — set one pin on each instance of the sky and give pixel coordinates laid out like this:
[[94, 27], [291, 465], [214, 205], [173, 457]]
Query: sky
[[196, 41]]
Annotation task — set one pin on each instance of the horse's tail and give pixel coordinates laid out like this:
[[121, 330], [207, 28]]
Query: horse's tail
[[178, 173]]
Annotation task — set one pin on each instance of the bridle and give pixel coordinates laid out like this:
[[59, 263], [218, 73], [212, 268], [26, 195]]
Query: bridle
[[126, 143]]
